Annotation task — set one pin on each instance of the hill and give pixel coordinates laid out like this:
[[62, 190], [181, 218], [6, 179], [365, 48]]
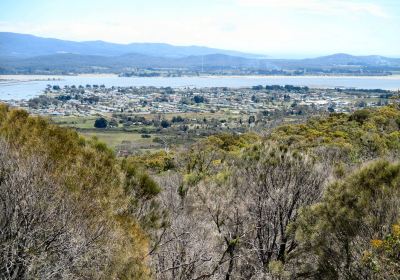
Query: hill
[[84, 63], [25, 45], [77, 63], [21, 53], [341, 60]]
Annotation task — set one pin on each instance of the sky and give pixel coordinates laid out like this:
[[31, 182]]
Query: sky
[[277, 28]]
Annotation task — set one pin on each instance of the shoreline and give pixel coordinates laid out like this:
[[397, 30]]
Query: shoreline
[[19, 77]]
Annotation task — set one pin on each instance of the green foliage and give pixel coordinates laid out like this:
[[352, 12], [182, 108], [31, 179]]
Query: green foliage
[[165, 124], [277, 269], [139, 181], [365, 134], [177, 119], [98, 182], [142, 191], [267, 194], [334, 232], [157, 161], [100, 123], [148, 186], [360, 116], [383, 256], [208, 156]]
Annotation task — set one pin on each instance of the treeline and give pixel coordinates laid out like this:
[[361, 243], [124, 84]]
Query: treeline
[[288, 88]]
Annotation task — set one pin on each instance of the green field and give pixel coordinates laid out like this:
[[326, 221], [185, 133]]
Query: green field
[[115, 138], [75, 122], [130, 139]]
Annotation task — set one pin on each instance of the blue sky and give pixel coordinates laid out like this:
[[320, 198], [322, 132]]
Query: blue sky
[[280, 28]]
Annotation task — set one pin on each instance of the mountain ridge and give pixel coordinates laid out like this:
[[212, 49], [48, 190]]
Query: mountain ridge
[[26, 45], [49, 55]]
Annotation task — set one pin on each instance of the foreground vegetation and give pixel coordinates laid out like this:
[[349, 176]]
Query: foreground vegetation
[[317, 200], [70, 209]]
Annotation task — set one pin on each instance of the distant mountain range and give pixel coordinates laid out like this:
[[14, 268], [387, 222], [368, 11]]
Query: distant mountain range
[[24, 45], [341, 59], [22, 53]]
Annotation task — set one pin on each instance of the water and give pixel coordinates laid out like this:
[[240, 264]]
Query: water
[[25, 87]]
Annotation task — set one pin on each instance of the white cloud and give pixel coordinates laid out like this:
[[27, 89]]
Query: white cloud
[[325, 7], [262, 26]]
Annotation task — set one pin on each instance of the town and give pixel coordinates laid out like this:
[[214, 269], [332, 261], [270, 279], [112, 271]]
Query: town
[[133, 120], [91, 100]]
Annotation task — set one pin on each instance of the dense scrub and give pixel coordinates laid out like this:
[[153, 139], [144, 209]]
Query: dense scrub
[[318, 200], [79, 211], [363, 135], [337, 234], [303, 202]]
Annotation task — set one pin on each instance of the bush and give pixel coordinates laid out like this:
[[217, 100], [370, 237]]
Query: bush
[[360, 116], [101, 123], [338, 230], [165, 124], [82, 223]]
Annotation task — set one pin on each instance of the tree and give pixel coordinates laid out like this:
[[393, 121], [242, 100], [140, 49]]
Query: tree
[[251, 208], [165, 124], [233, 208], [199, 99], [360, 116], [198, 245], [335, 234], [275, 183], [259, 87], [43, 233], [252, 119], [182, 250], [101, 123], [176, 119], [48, 226]]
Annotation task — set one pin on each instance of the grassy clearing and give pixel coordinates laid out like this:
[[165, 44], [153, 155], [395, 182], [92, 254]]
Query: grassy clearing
[[115, 138], [75, 122], [191, 115], [130, 139]]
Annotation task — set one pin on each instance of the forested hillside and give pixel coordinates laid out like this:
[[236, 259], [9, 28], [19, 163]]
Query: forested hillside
[[318, 200]]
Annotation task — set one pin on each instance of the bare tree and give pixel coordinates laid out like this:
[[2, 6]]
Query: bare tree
[[275, 184], [183, 250], [234, 221], [43, 233]]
